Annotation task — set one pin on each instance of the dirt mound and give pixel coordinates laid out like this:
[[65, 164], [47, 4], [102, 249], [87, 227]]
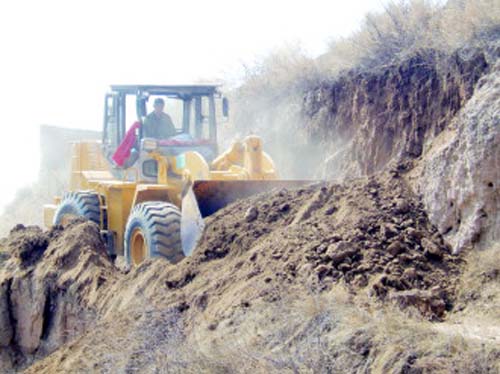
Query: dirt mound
[[49, 286], [370, 237], [370, 234], [27, 244], [259, 259]]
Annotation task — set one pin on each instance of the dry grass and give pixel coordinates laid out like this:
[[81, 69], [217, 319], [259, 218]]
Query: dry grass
[[479, 294], [329, 332], [288, 68], [340, 338], [401, 343], [269, 102], [409, 27], [333, 332], [404, 28]]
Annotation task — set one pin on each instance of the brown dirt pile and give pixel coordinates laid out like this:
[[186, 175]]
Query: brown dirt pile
[[370, 236], [48, 288]]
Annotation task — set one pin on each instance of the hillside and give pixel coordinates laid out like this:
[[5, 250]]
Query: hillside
[[284, 292], [388, 262]]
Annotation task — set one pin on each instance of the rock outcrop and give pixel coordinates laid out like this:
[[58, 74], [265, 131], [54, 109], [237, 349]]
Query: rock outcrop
[[386, 116], [432, 118], [459, 176]]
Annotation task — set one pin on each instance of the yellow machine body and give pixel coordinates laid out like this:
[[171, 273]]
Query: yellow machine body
[[90, 171]]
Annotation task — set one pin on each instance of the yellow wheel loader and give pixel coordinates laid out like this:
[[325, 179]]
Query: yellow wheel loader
[[149, 195]]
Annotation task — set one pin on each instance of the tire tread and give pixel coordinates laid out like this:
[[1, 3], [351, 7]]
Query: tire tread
[[162, 220]]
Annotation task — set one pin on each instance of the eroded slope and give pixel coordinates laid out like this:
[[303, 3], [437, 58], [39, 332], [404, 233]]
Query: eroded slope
[[271, 273]]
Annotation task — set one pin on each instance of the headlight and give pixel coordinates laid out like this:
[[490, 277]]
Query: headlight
[[149, 144]]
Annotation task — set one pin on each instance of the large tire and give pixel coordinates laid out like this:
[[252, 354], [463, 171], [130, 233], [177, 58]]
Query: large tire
[[84, 204], [153, 230]]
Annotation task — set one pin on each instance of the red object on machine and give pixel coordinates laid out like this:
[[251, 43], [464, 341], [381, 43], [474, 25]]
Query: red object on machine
[[122, 153]]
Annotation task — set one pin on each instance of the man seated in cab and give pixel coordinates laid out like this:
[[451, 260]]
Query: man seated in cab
[[158, 124]]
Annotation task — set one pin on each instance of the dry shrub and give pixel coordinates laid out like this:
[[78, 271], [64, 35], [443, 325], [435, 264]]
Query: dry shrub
[[462, 21], [269, 104], [288, 68], [407, 27], [289, 336], [402, 344]]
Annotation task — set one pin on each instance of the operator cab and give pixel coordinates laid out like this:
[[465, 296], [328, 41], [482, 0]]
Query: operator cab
[[192, 109]]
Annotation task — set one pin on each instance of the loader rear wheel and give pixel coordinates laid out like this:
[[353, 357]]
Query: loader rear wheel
[[78, 204], [153, 230]]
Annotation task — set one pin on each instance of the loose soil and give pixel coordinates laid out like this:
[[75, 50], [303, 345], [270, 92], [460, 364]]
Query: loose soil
[[369, 236]]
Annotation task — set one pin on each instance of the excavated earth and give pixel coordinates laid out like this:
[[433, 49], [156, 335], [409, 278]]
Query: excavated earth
[[436, 116], [62, 299], [351, 277], [49, 285]]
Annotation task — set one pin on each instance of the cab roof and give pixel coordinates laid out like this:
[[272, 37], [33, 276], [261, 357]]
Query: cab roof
[[193, 89]]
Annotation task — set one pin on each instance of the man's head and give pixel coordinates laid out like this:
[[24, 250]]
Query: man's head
[[159, 105]]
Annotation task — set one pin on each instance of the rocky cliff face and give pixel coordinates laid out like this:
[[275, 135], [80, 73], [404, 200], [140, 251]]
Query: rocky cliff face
[[390, 114], [459, 176], [434, 116]]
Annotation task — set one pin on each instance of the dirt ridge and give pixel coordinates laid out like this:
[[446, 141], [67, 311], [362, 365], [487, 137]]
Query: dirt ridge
[[370, 236]]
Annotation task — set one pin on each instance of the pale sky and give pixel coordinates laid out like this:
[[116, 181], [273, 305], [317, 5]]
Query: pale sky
[[58, 56]]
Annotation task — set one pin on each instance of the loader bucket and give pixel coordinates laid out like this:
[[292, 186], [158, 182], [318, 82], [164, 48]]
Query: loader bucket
[[204, 198]]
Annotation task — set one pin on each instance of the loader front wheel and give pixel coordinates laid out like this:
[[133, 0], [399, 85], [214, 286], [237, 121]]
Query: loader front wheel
[[78, 204], [153, 230]]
